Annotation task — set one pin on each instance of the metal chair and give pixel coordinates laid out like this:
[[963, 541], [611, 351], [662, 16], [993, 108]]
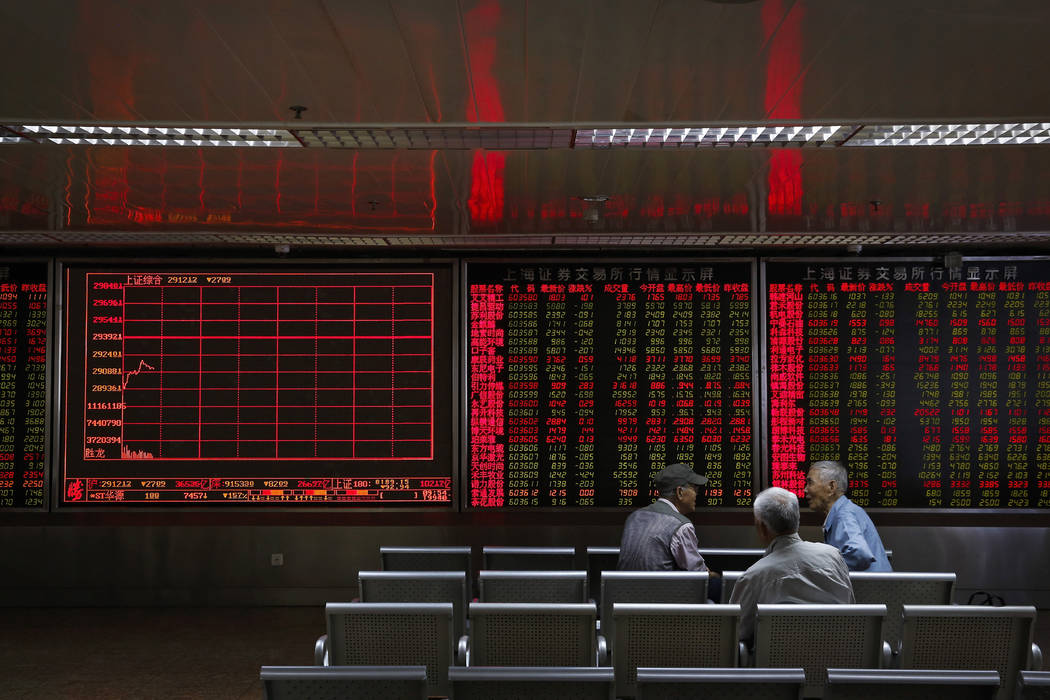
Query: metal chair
[[682, 587], [894, 589], [532, 634], [1034, 685], [528, 558], [895, 684], [729, 579], [425, 559], [600, 559], [817, 637], [671, 635], [720, 683], [971, 636], [338, 682], [528, 683], [418, 587], [390, 634], [533, 586]]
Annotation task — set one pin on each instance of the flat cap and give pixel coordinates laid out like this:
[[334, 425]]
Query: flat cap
[[679, 474]]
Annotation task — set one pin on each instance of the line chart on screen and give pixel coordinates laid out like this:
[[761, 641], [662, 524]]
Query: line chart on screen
[[259, 366]]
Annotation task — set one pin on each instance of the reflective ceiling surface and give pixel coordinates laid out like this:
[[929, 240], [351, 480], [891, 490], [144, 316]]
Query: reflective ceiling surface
[[639, 62]]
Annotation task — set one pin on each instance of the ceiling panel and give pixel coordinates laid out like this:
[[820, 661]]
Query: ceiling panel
[[432, 39], [384, 84], [554, 44], [354, 62]]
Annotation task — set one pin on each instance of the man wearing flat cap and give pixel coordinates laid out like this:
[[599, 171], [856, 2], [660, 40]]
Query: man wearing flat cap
[[661, 537]]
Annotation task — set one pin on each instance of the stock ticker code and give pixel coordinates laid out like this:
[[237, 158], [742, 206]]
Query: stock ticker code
[[23, 385]]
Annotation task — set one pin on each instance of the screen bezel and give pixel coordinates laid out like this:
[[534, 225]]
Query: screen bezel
[[881, 511], [64, 265], [609, 259]]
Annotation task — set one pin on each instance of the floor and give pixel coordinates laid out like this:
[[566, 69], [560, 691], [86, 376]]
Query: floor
[[150, 652], [169, 652]]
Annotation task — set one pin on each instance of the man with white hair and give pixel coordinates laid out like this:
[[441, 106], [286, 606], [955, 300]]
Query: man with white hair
[[792, 570], [846, 526]]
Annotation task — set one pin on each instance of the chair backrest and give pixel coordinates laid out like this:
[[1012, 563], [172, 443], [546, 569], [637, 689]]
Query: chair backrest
[[969, 637], [393, 634], [729, 579], [528, 558], [425, 559], [895, 588], [532, 634], [671, 635], [600, 559], [336, 683], [418, 587], [533, 586], [817, 637], [720, 683], [1034, 685], [897, 684], [732, 559], [514, 683], [684, 587]]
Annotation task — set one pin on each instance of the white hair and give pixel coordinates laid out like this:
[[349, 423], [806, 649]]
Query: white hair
[[831, 470], [777, 509]]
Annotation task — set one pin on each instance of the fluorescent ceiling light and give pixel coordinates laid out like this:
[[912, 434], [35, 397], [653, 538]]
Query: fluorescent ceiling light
[[986, 134], [508, 137], [147, 135], [713, 137]]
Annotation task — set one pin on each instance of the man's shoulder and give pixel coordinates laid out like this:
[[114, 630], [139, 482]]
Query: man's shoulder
[[817, 548], [665, 509], [799, 549], [852, 510]]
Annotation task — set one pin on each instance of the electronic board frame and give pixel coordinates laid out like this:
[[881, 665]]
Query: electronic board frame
[[50, 348], [446, 366], [763, 465], [661, 260]]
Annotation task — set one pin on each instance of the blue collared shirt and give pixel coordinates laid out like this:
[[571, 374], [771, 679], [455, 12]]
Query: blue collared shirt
[[849, 529]]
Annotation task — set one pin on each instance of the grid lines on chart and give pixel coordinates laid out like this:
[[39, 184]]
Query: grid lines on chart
[[279, 366]]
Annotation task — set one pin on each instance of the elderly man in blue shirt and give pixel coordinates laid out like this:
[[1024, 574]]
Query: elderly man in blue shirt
[[846, 526]]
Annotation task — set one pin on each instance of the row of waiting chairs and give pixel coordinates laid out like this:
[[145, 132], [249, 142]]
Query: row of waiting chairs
[[892, 589], [568, 683], [814, 637], [541, 558], [593, 560]]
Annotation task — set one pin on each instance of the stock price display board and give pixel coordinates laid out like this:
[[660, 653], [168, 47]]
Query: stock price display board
[[23, 385], [239, 386], [587, 378], [932, 384]]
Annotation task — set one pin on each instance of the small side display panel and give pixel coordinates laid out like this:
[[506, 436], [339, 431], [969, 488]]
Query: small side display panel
[[586, 377], [931, 383], [23, 385], [240, 386]]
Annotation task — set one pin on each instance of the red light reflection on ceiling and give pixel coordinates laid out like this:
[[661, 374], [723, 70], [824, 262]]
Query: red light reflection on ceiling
[[487, 170], [782, 98], [203, 187]]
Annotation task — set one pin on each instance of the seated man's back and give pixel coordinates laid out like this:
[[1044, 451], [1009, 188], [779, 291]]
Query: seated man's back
[[793, 570]]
